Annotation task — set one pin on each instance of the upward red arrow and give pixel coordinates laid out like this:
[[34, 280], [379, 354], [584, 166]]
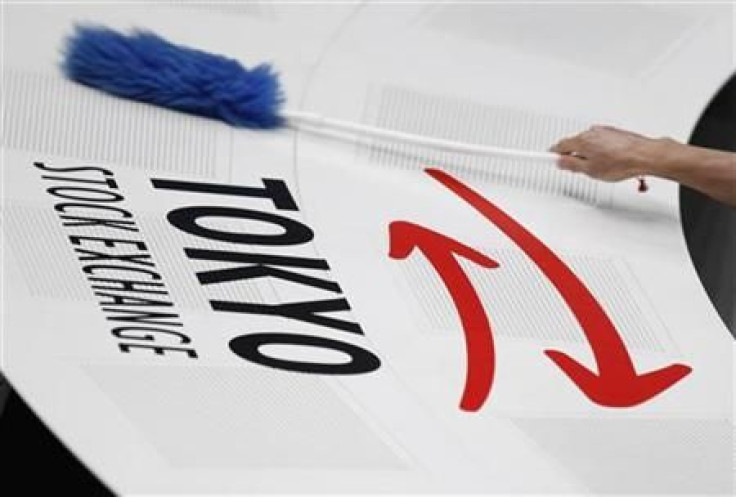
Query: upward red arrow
[[441, 252], [616, 384]]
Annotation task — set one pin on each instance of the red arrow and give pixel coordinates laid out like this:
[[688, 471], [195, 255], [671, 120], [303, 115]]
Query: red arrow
[[617, 383], [442, 253]]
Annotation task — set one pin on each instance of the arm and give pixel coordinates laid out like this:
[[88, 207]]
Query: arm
[[611, 154]]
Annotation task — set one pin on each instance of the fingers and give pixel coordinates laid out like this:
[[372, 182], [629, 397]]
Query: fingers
[[570, 158], [572, 163], [576, 144], [567, 145]]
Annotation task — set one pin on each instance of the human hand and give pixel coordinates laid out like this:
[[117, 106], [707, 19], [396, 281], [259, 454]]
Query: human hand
[[607, 153]]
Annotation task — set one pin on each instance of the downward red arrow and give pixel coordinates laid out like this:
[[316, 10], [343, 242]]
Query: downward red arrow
[[617, 383], [442, 253]]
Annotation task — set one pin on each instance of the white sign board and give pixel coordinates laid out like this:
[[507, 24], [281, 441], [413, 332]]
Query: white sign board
[[193, 308]]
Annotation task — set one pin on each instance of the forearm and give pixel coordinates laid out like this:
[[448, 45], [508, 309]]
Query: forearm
[[712, 172]]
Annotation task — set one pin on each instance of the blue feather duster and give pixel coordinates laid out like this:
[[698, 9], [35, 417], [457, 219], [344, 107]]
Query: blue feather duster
[[144, 67]]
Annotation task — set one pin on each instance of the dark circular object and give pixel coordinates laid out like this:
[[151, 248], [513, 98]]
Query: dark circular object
[[709, 226]]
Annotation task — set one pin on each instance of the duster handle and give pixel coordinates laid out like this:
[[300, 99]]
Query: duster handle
[[296, 118]]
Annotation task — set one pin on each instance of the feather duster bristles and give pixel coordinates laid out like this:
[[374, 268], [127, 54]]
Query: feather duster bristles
[[144, 67]]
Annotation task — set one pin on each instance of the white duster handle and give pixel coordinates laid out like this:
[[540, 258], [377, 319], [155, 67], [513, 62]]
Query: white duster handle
[[295, 118]]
